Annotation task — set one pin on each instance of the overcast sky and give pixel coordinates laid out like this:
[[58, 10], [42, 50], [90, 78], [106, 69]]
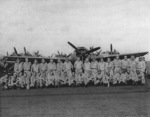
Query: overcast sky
[[47, 25]]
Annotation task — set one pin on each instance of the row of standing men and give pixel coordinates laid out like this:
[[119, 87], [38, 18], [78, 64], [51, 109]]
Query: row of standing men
[[32, 74]]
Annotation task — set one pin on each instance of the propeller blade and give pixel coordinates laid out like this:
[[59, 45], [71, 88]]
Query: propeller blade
[[25, 52], [15, 51], [99, 52], [73, 46], [69, 55], [116, 52], [94, 49], [38, 52], [58, 52], [111, 48]]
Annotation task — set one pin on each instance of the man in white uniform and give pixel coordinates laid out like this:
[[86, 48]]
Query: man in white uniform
[[51, 67], [94, 66], [87, 70], [141, 68], [117, 65], [59, 67], [35, 70], [59, 72], [132, 68], [18, 67], [124, 64], [109, 70], [101, 66], [67, 69], [27, 70], [78, 66], [43, 72]]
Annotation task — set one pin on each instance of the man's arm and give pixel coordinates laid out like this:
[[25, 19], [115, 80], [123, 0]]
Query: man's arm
[[75, 65], [32, 69], [15, 68], [71, 65], [21, 67], [55, 66], [97, 65], [82, 65]]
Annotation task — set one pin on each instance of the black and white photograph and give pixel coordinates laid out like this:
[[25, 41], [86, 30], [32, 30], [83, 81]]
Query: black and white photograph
[[74, 58]]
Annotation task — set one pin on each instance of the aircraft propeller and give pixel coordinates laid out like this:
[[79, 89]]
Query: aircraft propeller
[[69, 55], [73, 46], [92, 50], [37, 53], [25, 52], [111, 49], [115, 51], [99, 52], [58, 53], [84, 54], [16, 51]]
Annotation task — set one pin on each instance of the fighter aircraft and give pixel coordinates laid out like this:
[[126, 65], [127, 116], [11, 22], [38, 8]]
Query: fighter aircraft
[[11, 58], [113, 53], [2, 61], [7, 62], [93, 53], [81, 52], [3, 65]]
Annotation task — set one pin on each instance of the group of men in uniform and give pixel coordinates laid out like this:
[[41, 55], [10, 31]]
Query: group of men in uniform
[[109, 73]]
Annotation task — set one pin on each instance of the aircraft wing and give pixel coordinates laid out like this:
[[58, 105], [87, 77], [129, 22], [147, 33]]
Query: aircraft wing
[[133, 54], [12, 59], [121, 56]]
